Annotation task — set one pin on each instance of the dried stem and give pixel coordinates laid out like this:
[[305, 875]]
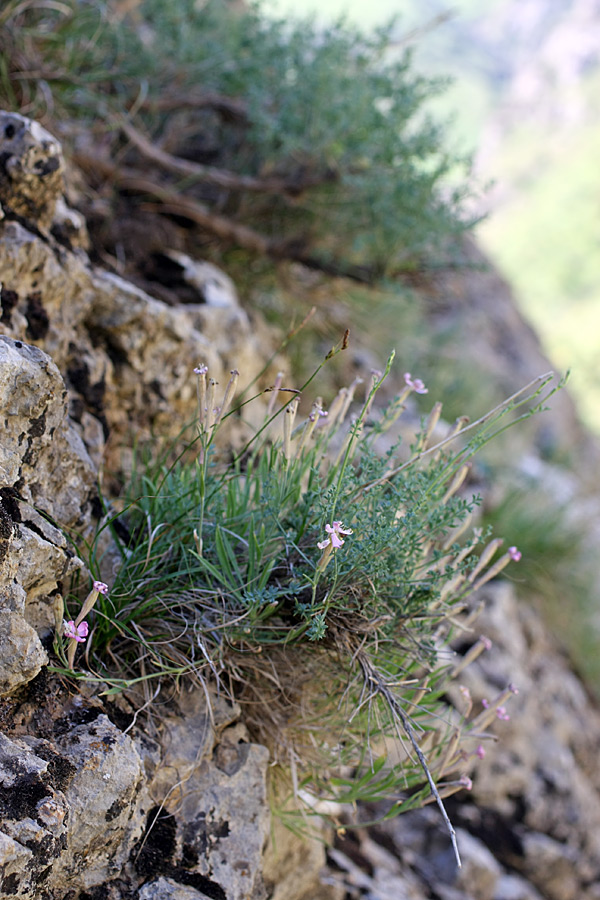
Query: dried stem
[[379, 686]]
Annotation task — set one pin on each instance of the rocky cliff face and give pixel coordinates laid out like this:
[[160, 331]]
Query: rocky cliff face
[[95, 805]]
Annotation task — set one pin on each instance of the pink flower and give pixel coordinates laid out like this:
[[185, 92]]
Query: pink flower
[[466, 782], [415, 384], [513, 688], [334, 531], [502, 714], [485, 703], [514, 554], [76, 633], [480, 752], [201, 370], [101, 587], [487, 644]]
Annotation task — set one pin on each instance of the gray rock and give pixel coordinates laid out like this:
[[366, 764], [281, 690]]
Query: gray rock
[[214, 287], [551, 866], [106, 800], [480, 871], [32, 406], [14, 859], [33, 815], [31, 176], [43, 461], [214, 783], [21, 652], [513, 887], [72, 810], [225, 821], [292, 868], [167, 889], [187, 739], [40, 449]]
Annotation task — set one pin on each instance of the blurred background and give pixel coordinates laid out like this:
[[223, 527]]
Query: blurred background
[[523, 103]]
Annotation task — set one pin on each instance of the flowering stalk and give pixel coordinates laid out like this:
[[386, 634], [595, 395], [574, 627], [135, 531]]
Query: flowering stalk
[[485, 558], [357, 427], [511, 555], [288, 425], [274, 392], [336, 408], [471, 655], [316, 413], [349, 398], [414, 384], [229, 392], [493, 710], [201, 371], [78, 630], [209, 418], [210, 406], [331, 543]]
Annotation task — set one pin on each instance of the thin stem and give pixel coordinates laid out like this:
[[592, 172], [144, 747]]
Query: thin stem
[[375, 678]]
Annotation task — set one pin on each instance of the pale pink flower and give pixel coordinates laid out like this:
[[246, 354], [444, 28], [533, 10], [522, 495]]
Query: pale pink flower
[[76, 633], [485, 703], [480, 752], [201, 370], [502, 714], [466, 782], [335, 538], [101, 587], [514, 554], [513, 688], [487, 644], [415, 384]]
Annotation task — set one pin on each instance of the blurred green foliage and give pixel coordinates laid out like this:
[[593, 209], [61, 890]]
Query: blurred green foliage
[[328, 111]]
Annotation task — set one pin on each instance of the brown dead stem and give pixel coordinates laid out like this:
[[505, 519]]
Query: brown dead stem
[[379, 686], [173, 202], [219, 177]]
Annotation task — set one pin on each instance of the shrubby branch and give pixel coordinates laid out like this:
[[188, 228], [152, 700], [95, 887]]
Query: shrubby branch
[[302, 144]]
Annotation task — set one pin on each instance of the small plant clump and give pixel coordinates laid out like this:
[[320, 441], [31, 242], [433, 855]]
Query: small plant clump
[[317, 579]]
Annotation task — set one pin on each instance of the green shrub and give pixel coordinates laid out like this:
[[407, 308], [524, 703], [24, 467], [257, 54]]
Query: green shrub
[[321, 135]]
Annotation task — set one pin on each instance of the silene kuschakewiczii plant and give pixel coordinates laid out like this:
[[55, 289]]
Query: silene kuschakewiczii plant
[[316, 575]]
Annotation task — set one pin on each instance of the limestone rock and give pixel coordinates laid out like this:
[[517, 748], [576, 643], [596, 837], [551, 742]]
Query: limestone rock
[[21, 653], [31, 176], [530, 827], [69, 227], [480, 872], [167, 889], [43, 461], [70, 810], [551, 866], [33, 815], [292, 868], [214, 287], [188, 738], [32, 405], [125, 356], [106, 799], [513, 887], [211, 785], [225, 819], [40, 451]]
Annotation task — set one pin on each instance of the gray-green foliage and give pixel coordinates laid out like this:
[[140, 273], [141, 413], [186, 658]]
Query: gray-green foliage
[[229, 573], [338, 116]]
